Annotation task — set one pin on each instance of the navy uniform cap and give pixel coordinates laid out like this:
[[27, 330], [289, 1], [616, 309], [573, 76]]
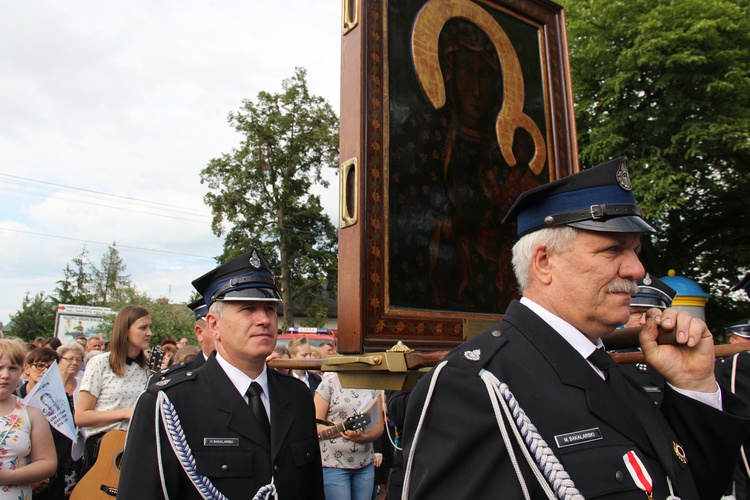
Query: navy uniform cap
[[247, 277], [653, 292], [741, 328], [596, 199], [199, 308]]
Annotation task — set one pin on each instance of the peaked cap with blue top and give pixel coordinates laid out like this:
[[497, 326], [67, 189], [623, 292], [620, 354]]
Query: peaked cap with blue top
[[596, 199], [199, 308], [247, 277]]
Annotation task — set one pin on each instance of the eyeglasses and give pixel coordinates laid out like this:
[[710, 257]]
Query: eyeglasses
[[636, 314], [40, 366], [72, 360]]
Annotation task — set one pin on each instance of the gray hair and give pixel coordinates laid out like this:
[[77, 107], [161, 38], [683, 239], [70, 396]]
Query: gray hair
[[557, 239], [71, 346], [217, 308]]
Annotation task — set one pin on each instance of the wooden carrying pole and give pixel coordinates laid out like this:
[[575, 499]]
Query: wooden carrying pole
[[625, 339]]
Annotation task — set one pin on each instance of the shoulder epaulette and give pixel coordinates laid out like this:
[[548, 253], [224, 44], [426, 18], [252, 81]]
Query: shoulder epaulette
[[473, 354], [171, 377]]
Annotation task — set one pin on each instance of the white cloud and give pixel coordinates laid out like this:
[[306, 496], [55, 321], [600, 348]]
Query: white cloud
[[130, 98]]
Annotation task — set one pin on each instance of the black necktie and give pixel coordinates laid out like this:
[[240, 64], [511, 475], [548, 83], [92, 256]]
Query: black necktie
[[602, 360], [256, 406]]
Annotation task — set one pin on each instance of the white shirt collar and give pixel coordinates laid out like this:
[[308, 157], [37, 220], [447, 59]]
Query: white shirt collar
[[242, 382], [571, 334], [303, 378]]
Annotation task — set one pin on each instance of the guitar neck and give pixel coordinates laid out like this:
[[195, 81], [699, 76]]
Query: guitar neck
[[329, 433]]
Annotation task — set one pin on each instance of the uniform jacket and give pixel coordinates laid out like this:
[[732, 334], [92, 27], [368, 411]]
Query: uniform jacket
[[170, 371], [314, 379], [724, 367], [197, 361], [228, 444], [461, 455], [648, 378]]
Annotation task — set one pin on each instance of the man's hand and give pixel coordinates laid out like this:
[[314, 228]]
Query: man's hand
[[689, 364]]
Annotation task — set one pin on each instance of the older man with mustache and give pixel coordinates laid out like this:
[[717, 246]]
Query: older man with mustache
[[535, 408]]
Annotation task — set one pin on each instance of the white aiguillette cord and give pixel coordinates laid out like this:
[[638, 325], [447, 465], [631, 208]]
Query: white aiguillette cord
[[544, 465], [167, 414]]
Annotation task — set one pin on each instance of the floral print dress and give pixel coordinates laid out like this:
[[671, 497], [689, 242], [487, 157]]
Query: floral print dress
[[15, 447]]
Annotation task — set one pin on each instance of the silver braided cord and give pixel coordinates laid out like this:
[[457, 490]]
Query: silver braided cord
[[265, 492], [544, 465], [182, 451], [410, 459], [545, 459], [495, 400]]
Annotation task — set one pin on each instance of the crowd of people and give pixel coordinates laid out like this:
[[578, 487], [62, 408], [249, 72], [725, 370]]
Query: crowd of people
[[534, 407], [103, 395]]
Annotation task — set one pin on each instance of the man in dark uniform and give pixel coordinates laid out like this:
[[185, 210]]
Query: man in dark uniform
[[652, 292], [734, 372], [576, 264], [231, 426], [206, 341]]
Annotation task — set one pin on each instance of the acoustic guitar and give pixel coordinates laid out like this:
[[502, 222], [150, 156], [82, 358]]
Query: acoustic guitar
[[100, 483], [350, 424]]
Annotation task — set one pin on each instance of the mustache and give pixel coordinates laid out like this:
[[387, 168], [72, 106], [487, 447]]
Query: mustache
[[623, 286]]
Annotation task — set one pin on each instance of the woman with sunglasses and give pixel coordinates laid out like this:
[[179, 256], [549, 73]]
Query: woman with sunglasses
[[113, 381], [26, 447]]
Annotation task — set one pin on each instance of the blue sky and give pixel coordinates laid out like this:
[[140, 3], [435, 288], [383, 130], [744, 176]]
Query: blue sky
[[108, 113]]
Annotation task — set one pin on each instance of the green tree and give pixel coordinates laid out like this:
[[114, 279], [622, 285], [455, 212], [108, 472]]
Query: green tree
[[668, 85], [35, 319], [260, 192], [84, 283], [76, 287], [170, 321], [110, 280]]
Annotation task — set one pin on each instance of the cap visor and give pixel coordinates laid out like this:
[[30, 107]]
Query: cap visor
[[259, 294], [647, 302], [624, 224]]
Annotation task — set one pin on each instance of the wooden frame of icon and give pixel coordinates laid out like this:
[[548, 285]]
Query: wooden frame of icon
[[449, 110]]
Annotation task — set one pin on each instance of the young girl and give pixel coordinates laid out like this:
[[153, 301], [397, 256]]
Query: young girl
[[27, 452]]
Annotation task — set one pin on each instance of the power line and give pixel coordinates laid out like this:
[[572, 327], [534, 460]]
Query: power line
[[105, 244], [125, 209], [127, 198]]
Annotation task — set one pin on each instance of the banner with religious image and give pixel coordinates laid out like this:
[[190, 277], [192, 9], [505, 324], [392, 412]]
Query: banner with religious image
[[49, 396]]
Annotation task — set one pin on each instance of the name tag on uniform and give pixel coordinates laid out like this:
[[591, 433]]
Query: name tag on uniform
[[221, 441], [578, 437]]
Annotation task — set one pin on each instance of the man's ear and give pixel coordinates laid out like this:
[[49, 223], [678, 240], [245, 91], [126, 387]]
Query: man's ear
[[541, 264], [212, 326]]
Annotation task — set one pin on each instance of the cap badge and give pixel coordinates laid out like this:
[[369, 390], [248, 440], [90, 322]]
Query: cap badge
[[254, 260], [473, 355], [623, 178], [647, 279]]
